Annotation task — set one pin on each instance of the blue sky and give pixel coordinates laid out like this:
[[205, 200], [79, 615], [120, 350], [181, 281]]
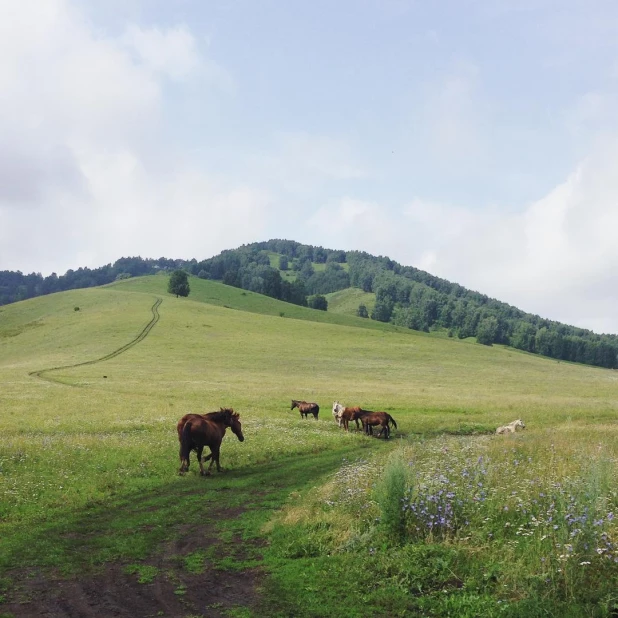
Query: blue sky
[[475, 139]]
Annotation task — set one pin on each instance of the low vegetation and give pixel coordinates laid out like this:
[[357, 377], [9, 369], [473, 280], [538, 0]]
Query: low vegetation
[[444, 519]]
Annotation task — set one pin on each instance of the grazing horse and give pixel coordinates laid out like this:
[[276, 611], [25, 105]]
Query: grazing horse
[[343, 415], [511, 427], [195, 431], [306, 408], [384, 419]]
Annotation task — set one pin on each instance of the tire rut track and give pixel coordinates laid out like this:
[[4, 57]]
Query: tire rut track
[[142, 335]]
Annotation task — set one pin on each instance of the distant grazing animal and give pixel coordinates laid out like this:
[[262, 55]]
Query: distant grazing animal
[[384, 419], [343, 415], [511, 427], [195, 431], [306, 408]]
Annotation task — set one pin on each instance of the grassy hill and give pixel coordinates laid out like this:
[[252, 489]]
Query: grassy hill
[[347, 301], [215, 293], [89, 455]]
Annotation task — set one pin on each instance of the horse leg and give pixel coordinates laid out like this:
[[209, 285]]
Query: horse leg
[[215, 450], [184, 465], [200, 450]]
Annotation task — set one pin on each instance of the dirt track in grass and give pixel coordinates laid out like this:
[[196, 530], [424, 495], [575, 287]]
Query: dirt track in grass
[[173, 592]]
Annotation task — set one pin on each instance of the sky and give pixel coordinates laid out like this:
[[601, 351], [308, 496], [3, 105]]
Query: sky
[[474, 139]]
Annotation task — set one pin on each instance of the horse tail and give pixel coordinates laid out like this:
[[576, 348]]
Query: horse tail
[[392, 420], [185, 446]]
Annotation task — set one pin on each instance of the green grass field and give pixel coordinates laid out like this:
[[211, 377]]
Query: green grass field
[[89, 460], [347, 301]]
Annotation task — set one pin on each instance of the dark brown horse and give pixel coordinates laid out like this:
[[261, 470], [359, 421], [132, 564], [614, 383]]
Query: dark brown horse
[[306, 408], [384, 419], [195, 431]]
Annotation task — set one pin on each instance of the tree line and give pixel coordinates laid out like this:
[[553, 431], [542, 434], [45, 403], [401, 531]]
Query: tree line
[[405, 296], [15, 286]]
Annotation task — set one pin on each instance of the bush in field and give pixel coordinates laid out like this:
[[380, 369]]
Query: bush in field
[[317, 301], [389, 494]]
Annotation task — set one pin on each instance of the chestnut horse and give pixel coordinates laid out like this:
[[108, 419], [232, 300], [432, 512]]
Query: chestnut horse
[[384, 419], [343, 415], [195, 431], [306, 408]]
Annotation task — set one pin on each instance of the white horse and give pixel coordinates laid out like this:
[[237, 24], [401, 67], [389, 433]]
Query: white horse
[[511, 427], [337, 411]]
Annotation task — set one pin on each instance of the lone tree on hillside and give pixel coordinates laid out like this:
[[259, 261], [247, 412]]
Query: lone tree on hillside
[[179, 283]]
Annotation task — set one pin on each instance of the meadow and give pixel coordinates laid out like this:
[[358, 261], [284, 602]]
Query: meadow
[[445, 519]]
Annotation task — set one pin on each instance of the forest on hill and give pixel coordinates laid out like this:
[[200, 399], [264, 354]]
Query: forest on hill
[[405, 296]]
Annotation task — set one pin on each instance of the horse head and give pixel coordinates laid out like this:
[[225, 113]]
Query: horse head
[[337, 409], [294, 404], [232, 420]]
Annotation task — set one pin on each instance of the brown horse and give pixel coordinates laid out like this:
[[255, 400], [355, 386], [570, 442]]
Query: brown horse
[[306, 408], [343, 415], [195, 431], [353, 414], [384, 419]]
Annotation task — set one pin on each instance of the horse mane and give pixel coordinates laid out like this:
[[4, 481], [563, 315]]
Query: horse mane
[[222, 414]]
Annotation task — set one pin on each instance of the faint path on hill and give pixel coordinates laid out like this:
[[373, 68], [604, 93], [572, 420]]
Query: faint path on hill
[[142, 335]]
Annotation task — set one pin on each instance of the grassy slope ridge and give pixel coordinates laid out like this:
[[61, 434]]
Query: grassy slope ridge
[[347, 301], [105, 433], [215, 293]]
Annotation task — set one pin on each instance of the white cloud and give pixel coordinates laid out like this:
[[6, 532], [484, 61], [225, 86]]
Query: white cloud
[[301, 162], [454, 114], [558, 257], [84, 175], [172, 52]]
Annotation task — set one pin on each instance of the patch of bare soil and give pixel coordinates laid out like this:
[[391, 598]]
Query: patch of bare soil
[[174, 592]]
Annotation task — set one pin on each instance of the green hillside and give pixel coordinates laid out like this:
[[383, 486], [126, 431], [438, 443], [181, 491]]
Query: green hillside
[[215, 293], [347, 301], [89, 459]]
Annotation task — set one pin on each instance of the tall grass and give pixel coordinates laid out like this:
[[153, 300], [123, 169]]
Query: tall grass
[[389, 493], [531, 521]]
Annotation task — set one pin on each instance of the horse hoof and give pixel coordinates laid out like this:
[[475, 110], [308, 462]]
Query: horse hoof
[[204, 473]]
